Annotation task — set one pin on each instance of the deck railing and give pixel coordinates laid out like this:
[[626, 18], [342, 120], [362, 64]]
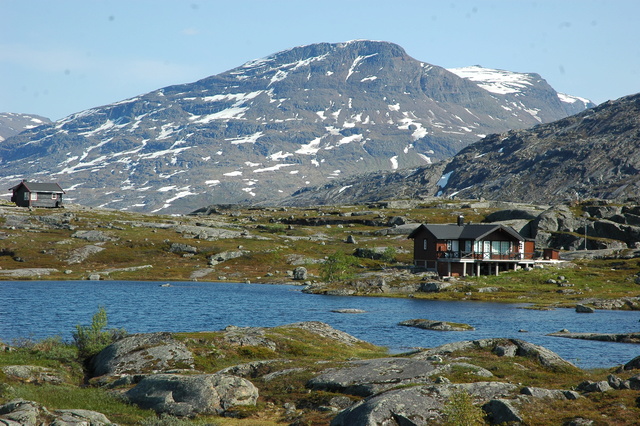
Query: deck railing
[[463, 255]]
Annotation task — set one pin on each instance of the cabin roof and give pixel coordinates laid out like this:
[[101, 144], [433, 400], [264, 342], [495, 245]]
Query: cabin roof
[[472, 231], [39, 187]]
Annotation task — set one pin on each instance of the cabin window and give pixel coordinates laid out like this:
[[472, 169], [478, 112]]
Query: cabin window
[[424, 244], [26, 196], [54, 196]]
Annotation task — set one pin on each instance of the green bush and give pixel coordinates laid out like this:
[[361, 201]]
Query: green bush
[[337, 267], [460, 411], [93, 338]]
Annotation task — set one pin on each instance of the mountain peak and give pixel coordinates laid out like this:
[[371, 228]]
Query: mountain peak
[[256, 133]]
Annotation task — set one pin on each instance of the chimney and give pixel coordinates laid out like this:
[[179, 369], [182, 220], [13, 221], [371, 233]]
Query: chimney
[[460, 220]]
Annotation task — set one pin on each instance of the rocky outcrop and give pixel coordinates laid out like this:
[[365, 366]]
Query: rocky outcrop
[[436, 325], [541, 354], [33, 374], [142, 353], [412, 406], [368, 377], [603, 337], [188, 395], [20, 412]]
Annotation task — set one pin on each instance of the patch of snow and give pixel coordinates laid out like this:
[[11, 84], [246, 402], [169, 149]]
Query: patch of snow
[[279, 156], [394, 162], [272, 168], [425, 158], [495, 81], [212, 182], [372, 78], [395, 107], [355, 63], [349, 139], [311, 148], [245, 139], [235, 173], [343, 188]]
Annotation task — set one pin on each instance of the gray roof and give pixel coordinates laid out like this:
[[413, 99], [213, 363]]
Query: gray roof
[[40, 187], [472, 231]]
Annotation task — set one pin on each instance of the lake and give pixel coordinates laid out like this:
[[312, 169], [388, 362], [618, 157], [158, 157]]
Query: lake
[[38, 309]]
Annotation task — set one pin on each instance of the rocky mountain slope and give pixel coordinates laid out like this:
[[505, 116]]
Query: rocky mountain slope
[[261, 131], [12, 123], [592, 154]]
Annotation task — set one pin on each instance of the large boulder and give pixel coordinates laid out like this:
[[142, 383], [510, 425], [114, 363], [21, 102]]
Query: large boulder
[[366, 377], [142, 353], [189, 395], [411, 406], [417, 405]]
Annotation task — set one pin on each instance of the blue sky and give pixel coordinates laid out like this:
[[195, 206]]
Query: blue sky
[[64, 56]]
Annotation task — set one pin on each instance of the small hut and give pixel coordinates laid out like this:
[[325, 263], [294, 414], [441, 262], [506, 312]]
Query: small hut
[[34, 194]]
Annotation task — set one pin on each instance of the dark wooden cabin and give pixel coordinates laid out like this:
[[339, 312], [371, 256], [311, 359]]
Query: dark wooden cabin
[[34, 194], [470, 249]]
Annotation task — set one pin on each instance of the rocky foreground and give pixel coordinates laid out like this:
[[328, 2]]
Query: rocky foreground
[[310, 373]]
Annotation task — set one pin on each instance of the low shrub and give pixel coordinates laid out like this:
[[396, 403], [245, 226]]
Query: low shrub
[[93, 338]]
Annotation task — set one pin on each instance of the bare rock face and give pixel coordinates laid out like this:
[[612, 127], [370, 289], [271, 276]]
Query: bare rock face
[[142, 353], [367, 377], [186, 396], [20, 412], [412, 406], [33, 374]]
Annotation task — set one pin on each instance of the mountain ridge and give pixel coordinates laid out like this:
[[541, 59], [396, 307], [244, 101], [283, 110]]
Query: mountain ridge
[[592, 154], [260, 131]]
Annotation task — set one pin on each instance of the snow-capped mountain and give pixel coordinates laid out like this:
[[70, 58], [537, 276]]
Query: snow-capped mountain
[[259, 132], [594, 154], [13, 123]]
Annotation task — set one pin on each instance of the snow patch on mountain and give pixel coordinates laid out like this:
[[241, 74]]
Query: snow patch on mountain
[[495, 81]]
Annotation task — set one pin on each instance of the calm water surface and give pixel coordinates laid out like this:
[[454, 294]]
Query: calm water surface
[[38, 309]]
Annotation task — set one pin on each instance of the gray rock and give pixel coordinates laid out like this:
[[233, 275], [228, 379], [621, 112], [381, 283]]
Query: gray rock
[[632, 383], [348, 311], [20, 413], [433, 287], [186, 396], [79, 418], [436, 325], [633, 364], [142, 353], [502, 411], [547, 393], [350, 240], [300, 273], [488, 289], [79, 255], [412, 406], [226, 255], [247, 336], [93, 236], [366, 377], [589, 386], [579, 421], [508, 350], [543, 355], [252, 369], [615, 382], [583, 309], [182, 248], [33, 374]]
